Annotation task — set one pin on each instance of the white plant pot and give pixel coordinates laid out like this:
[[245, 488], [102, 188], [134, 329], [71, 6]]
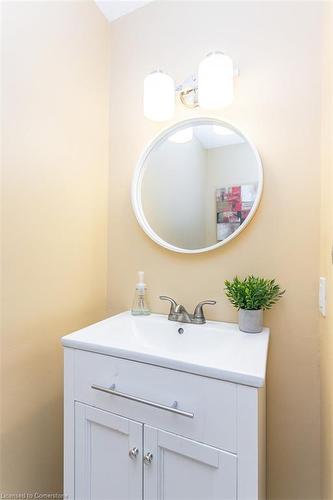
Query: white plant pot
[[250, 321]]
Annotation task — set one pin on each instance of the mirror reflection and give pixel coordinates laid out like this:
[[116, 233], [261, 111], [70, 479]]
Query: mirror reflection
[[199, 185]]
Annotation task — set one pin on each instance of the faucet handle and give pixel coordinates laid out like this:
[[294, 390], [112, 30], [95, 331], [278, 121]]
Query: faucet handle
[[172, 302], [198, 316]]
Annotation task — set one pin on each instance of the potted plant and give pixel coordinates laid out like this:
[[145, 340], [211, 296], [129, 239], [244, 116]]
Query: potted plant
[[251, 296]]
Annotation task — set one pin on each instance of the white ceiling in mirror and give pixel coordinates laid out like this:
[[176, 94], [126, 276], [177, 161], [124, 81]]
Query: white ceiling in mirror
[[210, 136], [214, 136], [113, 9], [182, 136]]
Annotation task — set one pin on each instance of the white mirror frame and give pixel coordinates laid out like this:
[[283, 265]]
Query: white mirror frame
[[140, 169]]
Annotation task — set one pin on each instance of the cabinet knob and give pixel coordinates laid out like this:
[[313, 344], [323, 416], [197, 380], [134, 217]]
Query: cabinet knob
[[148, 458], [133, 453]]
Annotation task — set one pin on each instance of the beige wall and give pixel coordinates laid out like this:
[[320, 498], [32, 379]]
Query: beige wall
[[277, 46], [55, 154], [326, 268]]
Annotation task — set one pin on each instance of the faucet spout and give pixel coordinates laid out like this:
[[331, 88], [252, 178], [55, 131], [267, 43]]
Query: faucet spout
[[182, 315]]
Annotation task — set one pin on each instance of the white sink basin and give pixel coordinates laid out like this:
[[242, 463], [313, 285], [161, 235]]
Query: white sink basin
[[215, 349]]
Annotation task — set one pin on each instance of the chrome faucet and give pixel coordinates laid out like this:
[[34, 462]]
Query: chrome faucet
[[179, 313]]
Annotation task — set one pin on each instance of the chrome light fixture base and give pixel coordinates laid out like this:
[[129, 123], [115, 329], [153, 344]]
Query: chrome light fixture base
[[188, 92]]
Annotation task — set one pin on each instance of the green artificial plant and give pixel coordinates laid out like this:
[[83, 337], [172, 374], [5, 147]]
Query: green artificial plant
[[253, 293]]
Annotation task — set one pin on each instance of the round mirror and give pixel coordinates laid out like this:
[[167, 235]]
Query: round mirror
[[197, 185]]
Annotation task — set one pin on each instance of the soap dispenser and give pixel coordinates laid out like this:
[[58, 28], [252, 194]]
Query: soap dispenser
[[140, 305]]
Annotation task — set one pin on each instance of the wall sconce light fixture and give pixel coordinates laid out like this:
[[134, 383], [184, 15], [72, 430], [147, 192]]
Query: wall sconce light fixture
[[212, 88]]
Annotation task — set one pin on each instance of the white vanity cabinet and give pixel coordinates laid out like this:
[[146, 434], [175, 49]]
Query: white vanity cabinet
[[103, 468], [187, 469], [109, 465], [214, 455], [136, 430]]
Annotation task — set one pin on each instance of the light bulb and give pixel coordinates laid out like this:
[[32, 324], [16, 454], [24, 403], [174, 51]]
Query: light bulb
[[159, 96], [182, 136], [215, 81]]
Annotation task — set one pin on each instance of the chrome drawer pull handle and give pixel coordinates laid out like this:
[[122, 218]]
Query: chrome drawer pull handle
[[133, 453], [148, 458], [172, 409]]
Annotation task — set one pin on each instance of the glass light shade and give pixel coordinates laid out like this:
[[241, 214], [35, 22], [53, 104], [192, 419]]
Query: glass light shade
[[182, 136], [159, 96], [215, 81]]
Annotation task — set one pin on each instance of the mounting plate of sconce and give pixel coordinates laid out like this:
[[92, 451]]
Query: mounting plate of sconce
[[211, 88], [188, 92]]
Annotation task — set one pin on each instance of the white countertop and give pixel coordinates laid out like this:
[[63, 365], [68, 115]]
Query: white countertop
[[215, 349]]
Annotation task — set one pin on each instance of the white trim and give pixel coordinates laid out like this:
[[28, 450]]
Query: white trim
[[140, 168], [69, 423]]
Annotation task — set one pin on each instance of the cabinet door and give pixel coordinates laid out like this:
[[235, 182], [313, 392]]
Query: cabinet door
[[104, 469], [181, 469]]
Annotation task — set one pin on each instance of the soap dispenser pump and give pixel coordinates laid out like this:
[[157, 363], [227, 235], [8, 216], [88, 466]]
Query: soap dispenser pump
[[140, 305]]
